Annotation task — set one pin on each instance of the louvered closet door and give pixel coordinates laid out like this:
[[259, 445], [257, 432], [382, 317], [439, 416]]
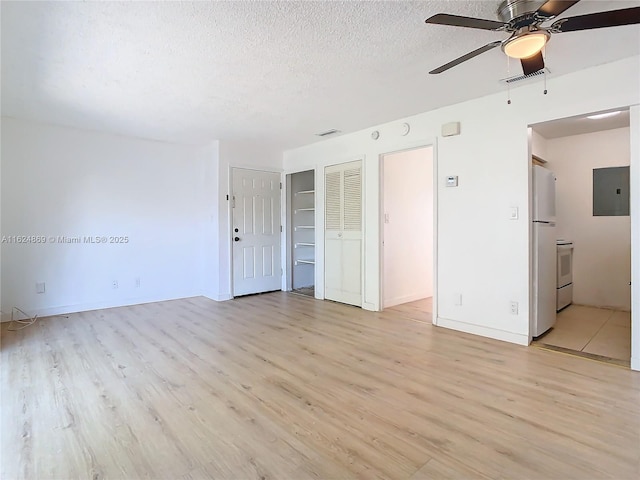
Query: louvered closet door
[[343, 233]]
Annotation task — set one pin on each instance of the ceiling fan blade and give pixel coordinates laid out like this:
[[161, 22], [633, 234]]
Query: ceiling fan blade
[[532, 64], [553, 8], [612, 18], [466, 57], [458, 21]]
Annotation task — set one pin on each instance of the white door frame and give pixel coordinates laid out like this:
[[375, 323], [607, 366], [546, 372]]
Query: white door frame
[[229, 225], [433, 145], [287, 246], [634, 190]]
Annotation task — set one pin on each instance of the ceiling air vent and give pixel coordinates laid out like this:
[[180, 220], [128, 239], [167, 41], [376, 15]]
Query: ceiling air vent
[[520, 78], [328, 132]]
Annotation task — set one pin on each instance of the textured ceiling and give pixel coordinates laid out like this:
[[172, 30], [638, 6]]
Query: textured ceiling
[[272, 72]]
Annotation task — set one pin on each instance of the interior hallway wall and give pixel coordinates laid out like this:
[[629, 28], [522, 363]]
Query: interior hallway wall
[[602, 245], [408, 226]]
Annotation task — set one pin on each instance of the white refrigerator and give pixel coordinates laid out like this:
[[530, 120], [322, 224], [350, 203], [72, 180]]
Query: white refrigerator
[[544, 250]]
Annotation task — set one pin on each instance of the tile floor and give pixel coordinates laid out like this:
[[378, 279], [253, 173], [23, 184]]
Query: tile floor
[[308, 291], [595, 331]]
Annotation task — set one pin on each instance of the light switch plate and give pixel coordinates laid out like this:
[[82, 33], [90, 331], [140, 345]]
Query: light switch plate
[[457, 299]]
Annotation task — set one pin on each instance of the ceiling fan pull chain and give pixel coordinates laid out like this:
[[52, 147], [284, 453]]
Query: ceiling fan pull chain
[[508, 84], [544, 71]]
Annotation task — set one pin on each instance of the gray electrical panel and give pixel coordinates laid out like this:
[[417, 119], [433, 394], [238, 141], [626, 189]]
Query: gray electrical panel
[[611, 191]]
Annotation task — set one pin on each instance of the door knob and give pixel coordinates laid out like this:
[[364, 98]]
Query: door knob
[[236, 239], [236, 230]]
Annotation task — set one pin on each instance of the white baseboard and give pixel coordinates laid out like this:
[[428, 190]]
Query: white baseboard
[[86, 307], [392, 302], [220, 297], [635, 363], [511, 337], [369, 306]]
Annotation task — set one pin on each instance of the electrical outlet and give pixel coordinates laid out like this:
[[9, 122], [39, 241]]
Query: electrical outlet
[[457, 299], [137, 282], [114, 284], [514, 308], [40, 287]]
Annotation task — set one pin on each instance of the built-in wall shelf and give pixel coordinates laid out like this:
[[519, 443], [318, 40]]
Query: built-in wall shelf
[[305, 262], [302, 203]]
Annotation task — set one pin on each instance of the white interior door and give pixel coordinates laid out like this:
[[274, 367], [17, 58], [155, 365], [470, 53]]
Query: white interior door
[[256, 231], [343, 233]]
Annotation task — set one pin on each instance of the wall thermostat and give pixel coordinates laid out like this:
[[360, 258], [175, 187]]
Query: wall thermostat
[[452, 181]]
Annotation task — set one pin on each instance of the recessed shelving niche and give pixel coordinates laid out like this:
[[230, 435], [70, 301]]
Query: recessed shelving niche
[[303, 235]]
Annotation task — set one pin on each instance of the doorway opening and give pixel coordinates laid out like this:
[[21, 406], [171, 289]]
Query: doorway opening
[[592, 251], [408, 231], [301, 233]]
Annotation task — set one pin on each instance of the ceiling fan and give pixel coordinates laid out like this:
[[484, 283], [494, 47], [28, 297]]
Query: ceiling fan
[[524, 19]]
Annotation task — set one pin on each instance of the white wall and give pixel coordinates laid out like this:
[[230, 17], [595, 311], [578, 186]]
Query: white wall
[[408, 226], [602, 245], [539, 146], [60, 181], [208, 159], [482, 254], [170, 200]]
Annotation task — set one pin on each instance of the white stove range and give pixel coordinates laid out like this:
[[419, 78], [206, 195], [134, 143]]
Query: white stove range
[[564, 274]]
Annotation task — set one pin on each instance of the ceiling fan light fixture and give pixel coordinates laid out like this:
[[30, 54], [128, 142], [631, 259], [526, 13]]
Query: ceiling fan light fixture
[[525, 45]]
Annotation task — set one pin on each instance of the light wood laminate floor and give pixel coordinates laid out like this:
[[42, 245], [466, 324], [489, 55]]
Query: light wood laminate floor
[[287, 387]]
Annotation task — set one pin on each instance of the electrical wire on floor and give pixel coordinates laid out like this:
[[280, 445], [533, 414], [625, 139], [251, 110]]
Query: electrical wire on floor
[[16, 325]]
